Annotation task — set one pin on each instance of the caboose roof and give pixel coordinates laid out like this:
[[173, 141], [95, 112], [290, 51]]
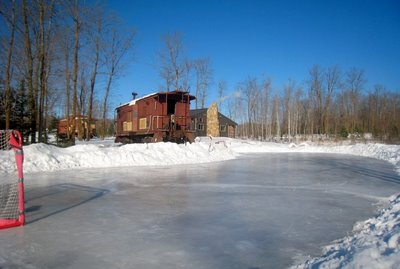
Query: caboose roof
[[133, 102]]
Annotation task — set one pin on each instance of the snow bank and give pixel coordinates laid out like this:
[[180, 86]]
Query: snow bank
[[389, 153], [105, 153], [42, 157], [375, 243]]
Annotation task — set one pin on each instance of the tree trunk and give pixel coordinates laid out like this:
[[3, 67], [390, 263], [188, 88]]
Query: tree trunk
[[29, 78], [76, 122], [92, 84], [68, 89], [7, 80], [106, 100], [42, 74]]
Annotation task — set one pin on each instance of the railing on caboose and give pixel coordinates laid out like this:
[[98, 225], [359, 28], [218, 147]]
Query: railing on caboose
[[156, 120]]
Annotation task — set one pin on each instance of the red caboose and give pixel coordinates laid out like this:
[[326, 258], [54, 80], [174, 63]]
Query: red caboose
[[163, 116]]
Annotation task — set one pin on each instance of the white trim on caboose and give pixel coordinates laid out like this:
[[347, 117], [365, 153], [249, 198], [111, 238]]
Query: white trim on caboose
[[133, 102]]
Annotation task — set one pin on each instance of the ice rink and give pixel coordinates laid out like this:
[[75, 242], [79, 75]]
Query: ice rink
[[258, 211]]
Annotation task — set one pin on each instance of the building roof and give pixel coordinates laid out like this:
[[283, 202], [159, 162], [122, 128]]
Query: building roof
[[195, 112], [203, 111], [133, 102]]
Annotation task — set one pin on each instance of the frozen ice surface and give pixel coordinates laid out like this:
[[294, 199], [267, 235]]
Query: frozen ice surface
[[258, 211]]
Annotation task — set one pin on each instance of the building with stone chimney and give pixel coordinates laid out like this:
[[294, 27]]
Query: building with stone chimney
[[210, 122]]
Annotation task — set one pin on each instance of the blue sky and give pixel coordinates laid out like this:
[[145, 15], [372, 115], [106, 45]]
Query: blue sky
[[277, 39]]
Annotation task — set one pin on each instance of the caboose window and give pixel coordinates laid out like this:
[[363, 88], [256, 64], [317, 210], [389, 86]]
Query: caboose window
[[127, 126], [143, 123]]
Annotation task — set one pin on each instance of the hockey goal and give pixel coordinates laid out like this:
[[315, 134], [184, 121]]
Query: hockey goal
[[12, 184]]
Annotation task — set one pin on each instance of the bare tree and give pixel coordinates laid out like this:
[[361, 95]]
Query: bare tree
[[29, 72], [204, 77], [172, 64], [221, 92], [354, 84], [66, 49], [323, 84], [83, 92], [12, 21], [299, 115], [118, 46], [265, 96], [333, 83], [316, 92], [289, 89], [97, 26], [232, 112], [166, 74], [60, 42], [186, 75], [76, 123], [238, 111], [276, 116], [251, 94], [45, 29]]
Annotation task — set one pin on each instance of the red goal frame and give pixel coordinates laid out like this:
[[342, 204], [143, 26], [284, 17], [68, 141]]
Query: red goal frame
[[15, 143]]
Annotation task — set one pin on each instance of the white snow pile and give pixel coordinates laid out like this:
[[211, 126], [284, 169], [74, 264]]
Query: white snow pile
[[389, 153], [106, 153], [41, 157], [374, 243]]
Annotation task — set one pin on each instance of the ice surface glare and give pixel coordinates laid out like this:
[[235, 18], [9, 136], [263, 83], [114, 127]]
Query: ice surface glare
[[259, 211]]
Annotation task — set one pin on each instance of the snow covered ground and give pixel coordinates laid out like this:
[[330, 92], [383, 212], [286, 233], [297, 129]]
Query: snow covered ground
[[374, 243]]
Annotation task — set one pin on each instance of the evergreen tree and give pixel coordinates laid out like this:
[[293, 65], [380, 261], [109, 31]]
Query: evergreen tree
[[20, 104]]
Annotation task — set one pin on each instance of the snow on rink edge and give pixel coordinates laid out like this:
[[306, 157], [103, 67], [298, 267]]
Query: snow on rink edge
[[374, 243]]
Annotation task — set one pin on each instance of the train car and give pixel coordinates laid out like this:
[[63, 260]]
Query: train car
[[66, 125], [163, 116]]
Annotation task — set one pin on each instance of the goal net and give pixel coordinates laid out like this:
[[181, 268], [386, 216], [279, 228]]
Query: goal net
[[11, 183]]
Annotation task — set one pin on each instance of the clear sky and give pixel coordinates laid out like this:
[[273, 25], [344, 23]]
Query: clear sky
[[277, 39]]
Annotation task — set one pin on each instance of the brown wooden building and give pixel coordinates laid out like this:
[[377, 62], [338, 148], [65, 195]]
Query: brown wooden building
[[204, 125]]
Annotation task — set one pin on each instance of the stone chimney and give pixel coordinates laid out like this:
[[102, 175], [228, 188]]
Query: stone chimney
[[213, 121]]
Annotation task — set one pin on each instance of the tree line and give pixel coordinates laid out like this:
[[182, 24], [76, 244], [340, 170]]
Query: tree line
[[58, 57], [177, 71], [330, 104], [63, 57]]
